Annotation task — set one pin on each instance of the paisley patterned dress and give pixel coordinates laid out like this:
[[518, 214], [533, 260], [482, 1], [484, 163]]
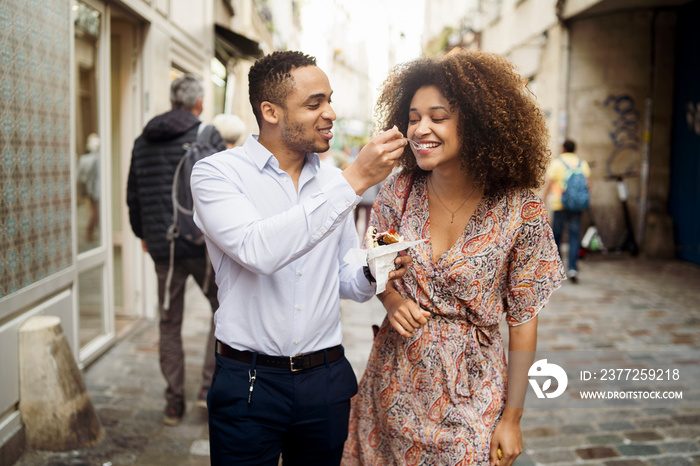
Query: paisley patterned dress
[[435, 398]]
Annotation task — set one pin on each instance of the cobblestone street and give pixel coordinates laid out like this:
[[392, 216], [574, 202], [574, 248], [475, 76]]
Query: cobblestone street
[[620, 304]]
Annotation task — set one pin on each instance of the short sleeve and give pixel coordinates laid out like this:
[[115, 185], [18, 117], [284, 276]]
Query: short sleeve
[[556, 170], [535, 269], [586, 169]]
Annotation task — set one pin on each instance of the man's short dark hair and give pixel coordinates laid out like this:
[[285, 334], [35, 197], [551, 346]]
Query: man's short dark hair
[[185, 91], [569, 146], [270, 79]]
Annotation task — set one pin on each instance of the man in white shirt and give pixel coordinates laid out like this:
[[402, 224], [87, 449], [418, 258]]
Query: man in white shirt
[[278, 224]]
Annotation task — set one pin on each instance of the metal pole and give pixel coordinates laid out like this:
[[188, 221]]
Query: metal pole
[[644, 171], [646, 144], [564, 73]]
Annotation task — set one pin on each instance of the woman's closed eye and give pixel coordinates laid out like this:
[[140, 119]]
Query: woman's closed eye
[[415, 121]]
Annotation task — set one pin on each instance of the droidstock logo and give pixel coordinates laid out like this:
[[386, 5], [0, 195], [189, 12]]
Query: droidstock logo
[[543, 369]]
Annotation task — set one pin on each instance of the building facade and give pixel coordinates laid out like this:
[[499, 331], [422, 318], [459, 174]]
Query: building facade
[[619, 78], [80, 79], [356, 43]]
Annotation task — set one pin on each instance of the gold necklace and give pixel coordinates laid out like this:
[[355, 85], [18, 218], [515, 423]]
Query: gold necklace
[[430, 180]]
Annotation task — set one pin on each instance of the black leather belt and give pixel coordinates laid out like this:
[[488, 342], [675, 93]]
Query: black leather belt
[[296, 363]]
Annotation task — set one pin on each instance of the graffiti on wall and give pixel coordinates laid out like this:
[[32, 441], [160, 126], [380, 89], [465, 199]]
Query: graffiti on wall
[[625, 134], [692, 116]]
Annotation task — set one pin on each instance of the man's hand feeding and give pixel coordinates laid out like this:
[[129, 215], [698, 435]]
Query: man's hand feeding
[[375, 161]]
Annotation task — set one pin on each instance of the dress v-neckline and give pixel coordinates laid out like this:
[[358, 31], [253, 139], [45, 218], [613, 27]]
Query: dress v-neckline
[[459, 240]]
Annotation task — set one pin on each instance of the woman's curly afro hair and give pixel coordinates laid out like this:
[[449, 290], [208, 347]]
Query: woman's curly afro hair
[[502, 131]]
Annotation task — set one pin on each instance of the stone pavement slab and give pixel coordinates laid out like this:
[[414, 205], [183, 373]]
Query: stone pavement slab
[[620, 304], [634, 306]]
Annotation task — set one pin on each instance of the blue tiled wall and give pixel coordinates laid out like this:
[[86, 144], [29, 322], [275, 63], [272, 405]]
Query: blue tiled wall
[[35, 186]]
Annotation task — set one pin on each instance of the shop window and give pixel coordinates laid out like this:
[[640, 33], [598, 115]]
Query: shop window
[[87, 136]]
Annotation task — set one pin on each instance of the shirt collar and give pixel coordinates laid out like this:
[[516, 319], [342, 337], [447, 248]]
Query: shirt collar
[[258, 153], [313, 160], [261, 156]]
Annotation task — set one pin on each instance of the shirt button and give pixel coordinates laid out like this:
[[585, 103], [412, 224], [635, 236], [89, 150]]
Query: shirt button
[[323, 230], [296, 342], [347, 203], [298, 307], [300, 273]]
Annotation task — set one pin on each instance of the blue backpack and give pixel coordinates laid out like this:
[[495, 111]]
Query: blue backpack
[[576, 195]]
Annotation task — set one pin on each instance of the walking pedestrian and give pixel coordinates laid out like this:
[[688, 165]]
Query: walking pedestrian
[[566, 216], [89, 183], [434, 390], [231, 128], [278, 223], [155, 156]]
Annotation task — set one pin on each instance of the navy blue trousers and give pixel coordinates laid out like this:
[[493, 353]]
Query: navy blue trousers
[[303, 415]]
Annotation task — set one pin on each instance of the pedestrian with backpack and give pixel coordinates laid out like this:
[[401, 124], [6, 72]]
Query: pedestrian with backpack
[[157, 197], [568, 190]]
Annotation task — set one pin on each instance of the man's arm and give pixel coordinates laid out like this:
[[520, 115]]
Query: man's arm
[[353, 282], [132, 201], [263, 243], [226, 213], [216, 140]]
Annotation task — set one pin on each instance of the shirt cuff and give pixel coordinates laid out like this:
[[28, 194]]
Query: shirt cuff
[[368, 274]]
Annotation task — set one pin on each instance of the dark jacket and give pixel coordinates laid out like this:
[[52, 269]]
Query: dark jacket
[[154, 158]]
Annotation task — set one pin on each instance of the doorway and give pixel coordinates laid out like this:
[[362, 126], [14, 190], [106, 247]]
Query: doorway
[[125, 40], [684, 200], [107, 119]]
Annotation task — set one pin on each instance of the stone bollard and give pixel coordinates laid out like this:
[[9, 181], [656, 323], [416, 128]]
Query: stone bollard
[[54, 404]]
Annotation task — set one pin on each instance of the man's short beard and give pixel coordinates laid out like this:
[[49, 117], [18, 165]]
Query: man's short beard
[[293, 137]]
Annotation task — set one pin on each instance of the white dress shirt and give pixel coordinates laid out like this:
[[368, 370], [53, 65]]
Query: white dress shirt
[[278, 253]]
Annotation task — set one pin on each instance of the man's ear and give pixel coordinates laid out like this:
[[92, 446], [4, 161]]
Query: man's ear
[[199, 106], [271, 113]]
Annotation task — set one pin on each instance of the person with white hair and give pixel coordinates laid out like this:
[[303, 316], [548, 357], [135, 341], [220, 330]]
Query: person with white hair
[[89, 182], [231, 128], [155, 156]]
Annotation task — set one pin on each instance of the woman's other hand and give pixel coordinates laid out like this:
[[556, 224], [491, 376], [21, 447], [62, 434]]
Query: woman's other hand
[[404, 315], [402, 260], [507, 437]]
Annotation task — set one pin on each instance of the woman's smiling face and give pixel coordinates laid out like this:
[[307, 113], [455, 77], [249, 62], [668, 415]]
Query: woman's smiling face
[[433, 123]]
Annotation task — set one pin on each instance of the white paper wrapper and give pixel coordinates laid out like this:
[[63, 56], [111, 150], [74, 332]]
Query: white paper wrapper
[[380, 260]]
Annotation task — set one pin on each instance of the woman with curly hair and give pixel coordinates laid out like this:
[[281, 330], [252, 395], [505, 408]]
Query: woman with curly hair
[[434, 391]]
